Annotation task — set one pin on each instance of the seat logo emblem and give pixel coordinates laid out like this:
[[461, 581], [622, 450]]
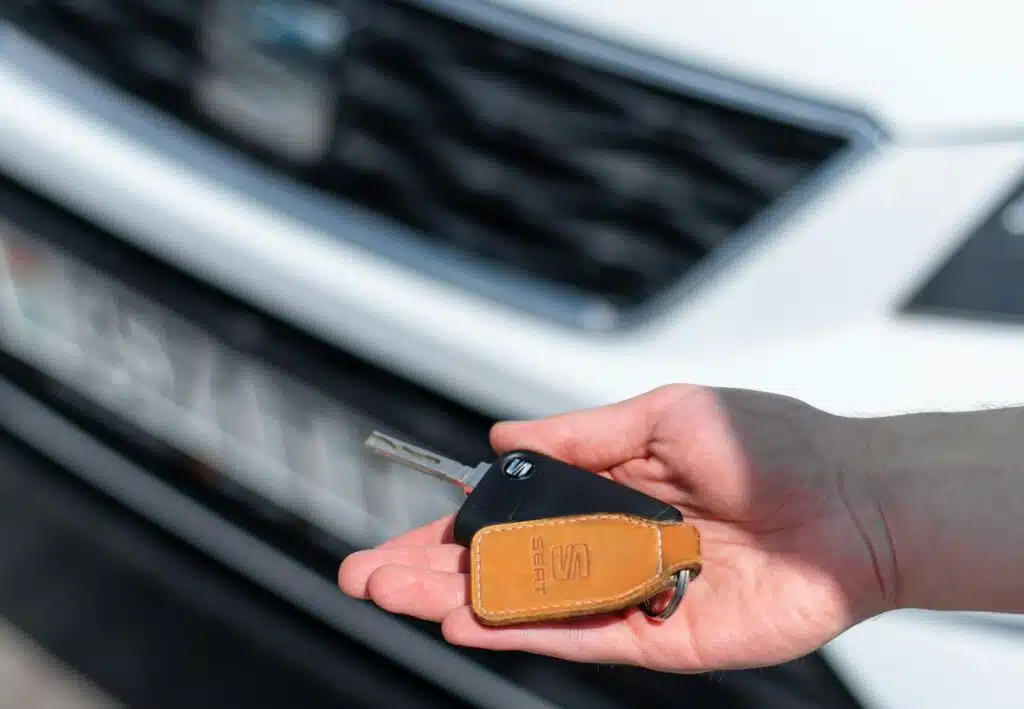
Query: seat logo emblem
[[570, 562], [518, 469]]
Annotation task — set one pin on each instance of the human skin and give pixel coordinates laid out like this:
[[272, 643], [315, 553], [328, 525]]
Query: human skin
[[810, 523]]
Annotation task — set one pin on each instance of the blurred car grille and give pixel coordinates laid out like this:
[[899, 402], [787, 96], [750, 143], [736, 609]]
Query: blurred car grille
[[576, 175]]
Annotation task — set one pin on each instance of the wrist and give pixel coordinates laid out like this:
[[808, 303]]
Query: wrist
[[949, 493], [876, 581]]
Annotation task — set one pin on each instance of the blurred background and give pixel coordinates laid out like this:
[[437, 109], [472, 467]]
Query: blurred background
[[236, 236]]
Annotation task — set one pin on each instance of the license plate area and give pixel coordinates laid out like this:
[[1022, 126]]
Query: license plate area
[[256, 404]]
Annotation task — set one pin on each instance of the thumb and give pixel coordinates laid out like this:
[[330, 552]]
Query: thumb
[[594, 439]]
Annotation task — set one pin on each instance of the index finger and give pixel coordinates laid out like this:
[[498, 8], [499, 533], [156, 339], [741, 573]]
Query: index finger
[[596, 439]]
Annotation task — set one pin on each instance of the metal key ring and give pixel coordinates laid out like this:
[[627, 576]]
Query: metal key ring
[[682, 579]]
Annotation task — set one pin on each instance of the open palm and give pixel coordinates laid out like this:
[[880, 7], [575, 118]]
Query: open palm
[[792, 552]]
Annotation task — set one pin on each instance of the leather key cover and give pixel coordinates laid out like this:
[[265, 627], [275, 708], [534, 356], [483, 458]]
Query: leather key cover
[[568, 567]]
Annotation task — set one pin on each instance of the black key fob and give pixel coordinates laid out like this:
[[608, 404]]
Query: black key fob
[[522, 486]]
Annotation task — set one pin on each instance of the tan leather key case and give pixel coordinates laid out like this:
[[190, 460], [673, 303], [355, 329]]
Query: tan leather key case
[[569, 567]]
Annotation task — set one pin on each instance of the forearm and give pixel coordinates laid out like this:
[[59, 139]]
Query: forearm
[[950, 488]]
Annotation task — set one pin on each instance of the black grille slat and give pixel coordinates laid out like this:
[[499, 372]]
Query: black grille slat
[[182, 12], [160, 63], [573, 174]]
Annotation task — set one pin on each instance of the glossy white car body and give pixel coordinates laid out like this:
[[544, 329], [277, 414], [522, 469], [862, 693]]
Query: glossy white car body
[[812, 310]]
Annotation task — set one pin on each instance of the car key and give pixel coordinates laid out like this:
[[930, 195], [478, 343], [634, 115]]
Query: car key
[[523, 486]]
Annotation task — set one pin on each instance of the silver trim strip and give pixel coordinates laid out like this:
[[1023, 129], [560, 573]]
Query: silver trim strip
[[132, 486]]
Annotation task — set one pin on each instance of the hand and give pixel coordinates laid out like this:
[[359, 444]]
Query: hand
[[794, 549]]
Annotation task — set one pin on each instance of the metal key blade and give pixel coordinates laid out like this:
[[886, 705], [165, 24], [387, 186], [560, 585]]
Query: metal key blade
[[425, 461]]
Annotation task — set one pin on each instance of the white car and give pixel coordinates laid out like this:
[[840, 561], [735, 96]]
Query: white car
[[286, 222]]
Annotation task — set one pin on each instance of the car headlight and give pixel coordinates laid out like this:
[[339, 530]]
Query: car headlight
[[984, 278]]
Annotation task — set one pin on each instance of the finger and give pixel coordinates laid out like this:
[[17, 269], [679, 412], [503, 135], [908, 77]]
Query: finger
[[594, 439], [357, 568], [606, 640], [439, 531], [418, 592]]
